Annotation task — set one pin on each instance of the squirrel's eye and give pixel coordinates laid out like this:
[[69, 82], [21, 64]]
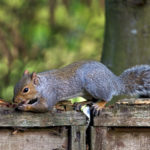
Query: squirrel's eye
[[25, 90]]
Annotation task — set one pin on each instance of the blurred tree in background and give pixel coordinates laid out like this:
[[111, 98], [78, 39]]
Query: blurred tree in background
[[127, 39], [40, 35], [127, 34]]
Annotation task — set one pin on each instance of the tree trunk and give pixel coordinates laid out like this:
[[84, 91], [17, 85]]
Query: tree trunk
[[127, 34]]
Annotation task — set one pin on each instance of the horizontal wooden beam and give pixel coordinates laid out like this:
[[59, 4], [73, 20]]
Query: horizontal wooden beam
[[127, 113], [12, 118]]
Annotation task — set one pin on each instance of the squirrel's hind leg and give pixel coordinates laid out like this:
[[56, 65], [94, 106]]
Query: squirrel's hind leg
[[98, 107]]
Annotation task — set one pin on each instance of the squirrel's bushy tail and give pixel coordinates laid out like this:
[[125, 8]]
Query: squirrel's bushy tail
[[136, 81]]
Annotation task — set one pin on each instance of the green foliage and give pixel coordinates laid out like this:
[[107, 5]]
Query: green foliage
[[77, 99], [40, 35]]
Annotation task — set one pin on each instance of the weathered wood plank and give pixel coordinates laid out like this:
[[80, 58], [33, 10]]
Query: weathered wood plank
[[34, 139], [124, 116], [97, 138], [127, 114], [104, 138], [11, 118], [78, 137]]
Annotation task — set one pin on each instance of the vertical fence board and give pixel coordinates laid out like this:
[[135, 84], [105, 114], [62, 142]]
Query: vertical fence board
[[78, 137]]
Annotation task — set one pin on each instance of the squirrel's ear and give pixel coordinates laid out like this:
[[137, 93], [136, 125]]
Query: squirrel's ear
[[26, 72], [34, 78]]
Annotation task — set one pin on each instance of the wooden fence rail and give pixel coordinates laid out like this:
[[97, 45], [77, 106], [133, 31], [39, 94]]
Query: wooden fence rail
[[126, 126]]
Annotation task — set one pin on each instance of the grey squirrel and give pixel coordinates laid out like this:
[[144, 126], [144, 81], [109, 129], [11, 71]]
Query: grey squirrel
[[89, 79]]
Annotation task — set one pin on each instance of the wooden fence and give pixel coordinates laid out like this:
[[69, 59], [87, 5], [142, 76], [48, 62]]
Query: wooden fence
[[126, 126]]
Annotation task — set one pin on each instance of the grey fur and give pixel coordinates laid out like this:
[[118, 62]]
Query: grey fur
[[90, 79], [136, 80]]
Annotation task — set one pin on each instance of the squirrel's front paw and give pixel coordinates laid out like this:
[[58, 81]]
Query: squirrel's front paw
[[24, 107]]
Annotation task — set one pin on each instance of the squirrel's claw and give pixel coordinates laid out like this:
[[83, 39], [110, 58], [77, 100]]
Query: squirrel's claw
[[98, 107], [95, 111]]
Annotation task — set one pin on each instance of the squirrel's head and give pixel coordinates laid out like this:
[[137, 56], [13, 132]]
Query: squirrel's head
[[25, 90]]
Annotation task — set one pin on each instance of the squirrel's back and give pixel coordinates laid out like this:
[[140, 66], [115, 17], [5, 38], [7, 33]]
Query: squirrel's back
[[82, 78], [99, 81]]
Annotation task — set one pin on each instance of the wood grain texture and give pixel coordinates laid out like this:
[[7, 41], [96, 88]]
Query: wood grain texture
[[11, 118], [34, 139], [78, 138], [104, 138], [123, 115]]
